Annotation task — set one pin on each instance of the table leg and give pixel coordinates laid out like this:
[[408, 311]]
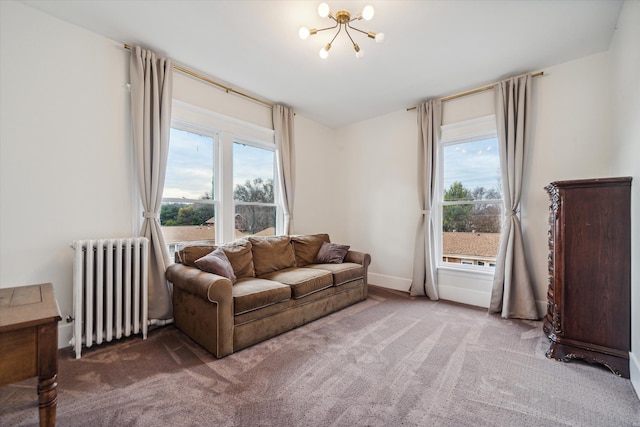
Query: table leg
[[47, 373]]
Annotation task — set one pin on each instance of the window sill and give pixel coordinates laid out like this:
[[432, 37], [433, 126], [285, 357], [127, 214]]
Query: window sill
[[470, 271]]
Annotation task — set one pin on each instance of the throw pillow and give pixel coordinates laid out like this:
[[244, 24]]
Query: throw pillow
[[331, 253], [217, 263]]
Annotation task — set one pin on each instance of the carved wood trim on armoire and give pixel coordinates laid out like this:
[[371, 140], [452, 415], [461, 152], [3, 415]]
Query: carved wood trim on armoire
[[589, 295]]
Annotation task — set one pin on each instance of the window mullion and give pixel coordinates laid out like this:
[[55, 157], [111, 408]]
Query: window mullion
[[227, 226]]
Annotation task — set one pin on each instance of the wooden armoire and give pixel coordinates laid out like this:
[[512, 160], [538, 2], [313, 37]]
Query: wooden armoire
[[589, 296]]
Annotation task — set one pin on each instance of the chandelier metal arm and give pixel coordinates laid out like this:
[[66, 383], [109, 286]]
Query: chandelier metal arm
[[363, 32], [347, 31], [327, 28], [369, 34], [336, 35], [357, 29]]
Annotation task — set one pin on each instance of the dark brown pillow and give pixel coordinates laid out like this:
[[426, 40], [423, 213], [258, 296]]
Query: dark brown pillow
[[217, 263], [331, 253]]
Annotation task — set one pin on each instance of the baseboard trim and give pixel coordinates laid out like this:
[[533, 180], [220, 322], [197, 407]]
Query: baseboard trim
[[464, 296], [634, 368], [390, 282]]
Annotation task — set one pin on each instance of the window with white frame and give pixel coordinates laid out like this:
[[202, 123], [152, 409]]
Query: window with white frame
[[220, 182], [469, 194], [254, 174]]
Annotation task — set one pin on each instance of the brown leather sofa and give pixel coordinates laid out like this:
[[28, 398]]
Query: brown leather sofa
[[279, 286]]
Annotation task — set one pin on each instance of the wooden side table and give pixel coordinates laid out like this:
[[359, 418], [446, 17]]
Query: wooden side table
[[29, 318]]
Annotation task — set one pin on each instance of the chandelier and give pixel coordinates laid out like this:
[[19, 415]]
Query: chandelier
[[342, 19]]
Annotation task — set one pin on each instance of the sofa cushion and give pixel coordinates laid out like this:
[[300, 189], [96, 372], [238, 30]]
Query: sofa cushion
[[189, 253], [217, 263], [306, 247], [331, 253], [252, 293], [271, 253], [303, 281], [342, 273], [240, 257]]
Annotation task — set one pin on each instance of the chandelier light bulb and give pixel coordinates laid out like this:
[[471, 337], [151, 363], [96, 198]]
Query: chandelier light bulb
[[323, 10], [360, 54], [304, 33], [368, 12], [324, 52], [379, 37]]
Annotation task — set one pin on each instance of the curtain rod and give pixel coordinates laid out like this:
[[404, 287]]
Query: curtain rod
[[472, 91], [214, 83]]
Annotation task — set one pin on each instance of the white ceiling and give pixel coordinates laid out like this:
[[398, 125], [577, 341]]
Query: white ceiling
[[432, 48]]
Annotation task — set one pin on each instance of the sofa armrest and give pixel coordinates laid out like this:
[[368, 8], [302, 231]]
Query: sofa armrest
[[361, 258], [203, 307], [364, 259], [208, 286]]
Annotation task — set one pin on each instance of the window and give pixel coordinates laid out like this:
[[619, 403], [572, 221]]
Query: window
[[470, 196], [253, 195], [220, 180]]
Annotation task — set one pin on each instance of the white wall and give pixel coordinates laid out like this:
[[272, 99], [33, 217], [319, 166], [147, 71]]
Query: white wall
[[569, 140], [200, 94], [316, 209], [625, 144], [66, 162], [378, 199], [378, 158]]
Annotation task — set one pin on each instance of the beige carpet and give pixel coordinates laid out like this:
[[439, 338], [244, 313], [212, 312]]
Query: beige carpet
[[389, 361]]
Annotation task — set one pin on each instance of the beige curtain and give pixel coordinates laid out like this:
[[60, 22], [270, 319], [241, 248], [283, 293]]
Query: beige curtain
[[283, 127], [512, 293], [424, 263], [151, 91]]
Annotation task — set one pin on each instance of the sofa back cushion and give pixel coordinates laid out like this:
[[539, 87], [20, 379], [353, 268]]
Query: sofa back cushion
[[307, 247], [241, 258], [272, 253]]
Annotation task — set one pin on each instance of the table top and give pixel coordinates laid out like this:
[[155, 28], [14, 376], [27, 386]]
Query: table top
[[25, 306]]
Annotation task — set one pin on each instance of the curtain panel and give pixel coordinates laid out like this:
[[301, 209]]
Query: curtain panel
[[512, 295], [283, 126], [424, 265], [151, 79]]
